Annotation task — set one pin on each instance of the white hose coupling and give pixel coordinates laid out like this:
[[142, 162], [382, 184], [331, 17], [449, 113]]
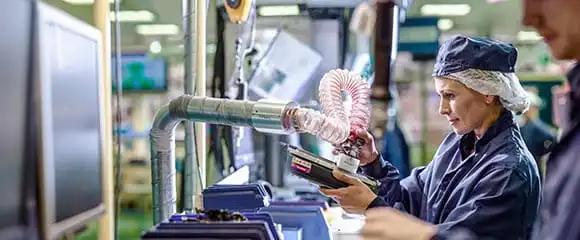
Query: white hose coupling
[[347, 163]]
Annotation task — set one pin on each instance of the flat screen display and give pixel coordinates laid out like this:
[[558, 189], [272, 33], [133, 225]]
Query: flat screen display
[[76, 135], [15, 26], [284, 68], [140, 72]]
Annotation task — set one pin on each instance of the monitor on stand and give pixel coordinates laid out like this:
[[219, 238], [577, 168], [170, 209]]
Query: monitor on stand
[[71, 122], [142, 73], [17, 161]]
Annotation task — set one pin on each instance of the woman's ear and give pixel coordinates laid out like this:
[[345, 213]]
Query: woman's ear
[[489, 99]]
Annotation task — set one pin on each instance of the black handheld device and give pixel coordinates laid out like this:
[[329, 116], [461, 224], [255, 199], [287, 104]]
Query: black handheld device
[[318, 170]]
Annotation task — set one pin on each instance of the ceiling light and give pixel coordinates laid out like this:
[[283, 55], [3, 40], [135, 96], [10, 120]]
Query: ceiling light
[[155, 47], [279, 10], [133, 16], [84, 2], [157, 29], [445, 9], [445, 24], [529, 36]]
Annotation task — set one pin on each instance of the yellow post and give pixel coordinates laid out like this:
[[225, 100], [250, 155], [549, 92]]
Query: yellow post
[[101, 20], [200, 88]]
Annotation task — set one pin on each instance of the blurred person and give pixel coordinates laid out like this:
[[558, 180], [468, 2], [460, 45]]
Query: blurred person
[[538, 136], [482, 177], [560, 108], [394, 147], [559, 215]]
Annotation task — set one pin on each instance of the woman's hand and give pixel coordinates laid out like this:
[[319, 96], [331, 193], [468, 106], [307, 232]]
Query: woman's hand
[[391, 224], [353, 199], [368, 152]]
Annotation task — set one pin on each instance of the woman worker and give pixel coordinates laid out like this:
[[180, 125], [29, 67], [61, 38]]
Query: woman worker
[[482, 177]]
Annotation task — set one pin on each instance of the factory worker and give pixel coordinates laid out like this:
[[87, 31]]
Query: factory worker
[[483, 178], [559, 215], [538, 136]]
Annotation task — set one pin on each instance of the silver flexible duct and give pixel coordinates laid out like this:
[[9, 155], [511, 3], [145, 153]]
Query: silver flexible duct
[[264, 115]]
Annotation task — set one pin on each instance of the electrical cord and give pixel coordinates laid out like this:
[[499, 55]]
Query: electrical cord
[[119, 119], [218, 90], [236, 134], [29, 213]]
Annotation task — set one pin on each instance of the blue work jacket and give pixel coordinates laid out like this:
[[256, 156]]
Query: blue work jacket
[[559, 217], [538, 137], [489, 188]]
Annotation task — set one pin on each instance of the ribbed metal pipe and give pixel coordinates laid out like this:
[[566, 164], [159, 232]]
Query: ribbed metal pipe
[[264, 115]]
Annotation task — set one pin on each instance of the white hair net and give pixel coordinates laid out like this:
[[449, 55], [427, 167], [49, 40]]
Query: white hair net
[[506, 86], [535, 100]]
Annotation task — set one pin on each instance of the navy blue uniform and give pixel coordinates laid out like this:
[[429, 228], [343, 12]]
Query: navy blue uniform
[[396, 151], [538, 137], [488, 188], [560, 211]]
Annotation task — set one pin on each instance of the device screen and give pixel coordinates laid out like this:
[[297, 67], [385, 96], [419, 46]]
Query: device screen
[[75, 122], [15, 26]]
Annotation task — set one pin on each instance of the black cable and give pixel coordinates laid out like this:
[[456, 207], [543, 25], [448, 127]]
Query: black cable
[[119, 109], [220, 56], [30, 170], [213, 132], [219, 90]]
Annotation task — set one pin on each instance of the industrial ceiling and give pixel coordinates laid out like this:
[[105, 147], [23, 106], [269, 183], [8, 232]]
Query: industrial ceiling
[[497, 18]]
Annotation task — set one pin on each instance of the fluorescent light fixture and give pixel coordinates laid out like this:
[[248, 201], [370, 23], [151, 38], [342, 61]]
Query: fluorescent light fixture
[[289, 10], [445, 24], [529, 36], [84, 2], [157, 29], [134, 16], [155, 47], [445, 9], [210, 48]]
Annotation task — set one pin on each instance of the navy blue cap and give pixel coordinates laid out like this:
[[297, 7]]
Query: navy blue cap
[[461, 53]]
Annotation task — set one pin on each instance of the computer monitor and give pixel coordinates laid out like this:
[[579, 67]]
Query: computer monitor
[[141, 73], [284, 68], [17, 215], [71, 122]]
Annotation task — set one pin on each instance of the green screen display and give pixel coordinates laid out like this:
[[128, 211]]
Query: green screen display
[[140, 72]]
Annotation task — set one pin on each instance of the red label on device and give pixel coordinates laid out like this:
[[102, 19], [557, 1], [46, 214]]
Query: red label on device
[[301, 165], [300, 168]]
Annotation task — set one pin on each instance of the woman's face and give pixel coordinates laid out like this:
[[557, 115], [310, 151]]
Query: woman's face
[[464, 108]]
